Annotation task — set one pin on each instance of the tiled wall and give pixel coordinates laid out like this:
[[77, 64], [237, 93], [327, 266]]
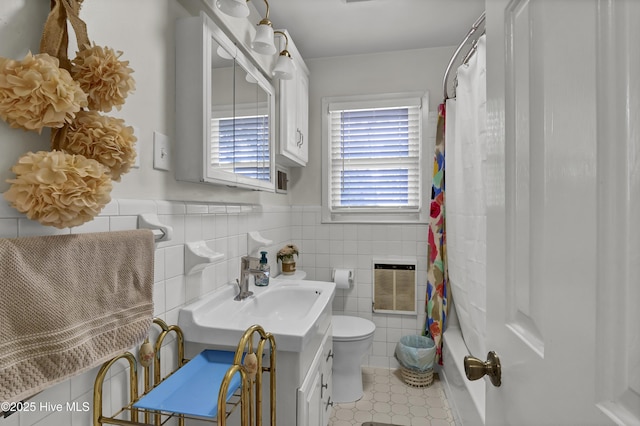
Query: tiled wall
[[353, 246], [224, 227]]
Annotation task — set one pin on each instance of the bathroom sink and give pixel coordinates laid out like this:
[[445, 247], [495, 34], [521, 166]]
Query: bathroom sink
[[295, 311], [284, 303]]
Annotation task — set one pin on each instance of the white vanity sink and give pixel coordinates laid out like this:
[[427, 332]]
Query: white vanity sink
[[297, 312]]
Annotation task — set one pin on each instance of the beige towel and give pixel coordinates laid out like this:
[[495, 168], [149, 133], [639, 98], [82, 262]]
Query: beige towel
[[69, 303]]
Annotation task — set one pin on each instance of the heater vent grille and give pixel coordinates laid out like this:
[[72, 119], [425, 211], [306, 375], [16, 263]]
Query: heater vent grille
[[394, 286]]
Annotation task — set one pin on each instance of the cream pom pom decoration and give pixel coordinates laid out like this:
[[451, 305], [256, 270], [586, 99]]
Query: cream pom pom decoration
[[105, 139], [71, 184], [58, 189], [104, 78], [36, 93]]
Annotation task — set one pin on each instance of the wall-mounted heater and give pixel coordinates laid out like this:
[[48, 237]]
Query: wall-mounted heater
[[394, 286]]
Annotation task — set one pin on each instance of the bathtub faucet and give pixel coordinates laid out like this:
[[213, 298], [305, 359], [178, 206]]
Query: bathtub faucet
[[246, 270]]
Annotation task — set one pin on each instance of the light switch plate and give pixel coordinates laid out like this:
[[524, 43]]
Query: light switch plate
[[161, 151]]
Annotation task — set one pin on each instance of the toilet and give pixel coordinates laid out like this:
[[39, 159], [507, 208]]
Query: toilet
[[352, 339]]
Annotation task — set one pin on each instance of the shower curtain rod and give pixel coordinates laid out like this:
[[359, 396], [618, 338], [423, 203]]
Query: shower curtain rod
[[473, 29]]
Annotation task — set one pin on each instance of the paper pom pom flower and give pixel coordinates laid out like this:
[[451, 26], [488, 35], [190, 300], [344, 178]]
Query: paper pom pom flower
[[287, 252], [106, 80], [58, 189], [105, 139], [36, 93]]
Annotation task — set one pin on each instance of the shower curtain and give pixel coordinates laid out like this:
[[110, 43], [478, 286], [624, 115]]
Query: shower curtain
[[437, 279], [466, 200], [456, 269]]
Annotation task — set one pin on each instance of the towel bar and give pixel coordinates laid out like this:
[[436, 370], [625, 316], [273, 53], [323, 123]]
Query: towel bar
[[151, 221]]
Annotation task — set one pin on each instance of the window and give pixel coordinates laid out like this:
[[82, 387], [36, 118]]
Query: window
[[373, 169]]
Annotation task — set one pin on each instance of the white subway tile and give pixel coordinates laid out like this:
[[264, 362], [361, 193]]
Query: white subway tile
[[171, 207], [192, 228], [83, 383], [83, 416], [159, 298], [378, 361], [12, 420], [30, 228], [158, 265], [98, 224], [8, 229], [136, 207], [232, 225], [221, 226], [379, 348], [174, 261], [380, 335], [6, 211], [197, 208], [309, 232], [111, 209], [123, 223], [57, 394]]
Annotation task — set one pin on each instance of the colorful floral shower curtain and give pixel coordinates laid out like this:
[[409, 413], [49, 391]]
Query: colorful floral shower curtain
[[437, 307]]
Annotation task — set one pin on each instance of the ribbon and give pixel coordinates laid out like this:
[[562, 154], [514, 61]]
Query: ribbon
[[55, 37]]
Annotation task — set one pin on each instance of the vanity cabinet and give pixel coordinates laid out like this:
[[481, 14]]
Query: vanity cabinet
[[314, 395], [294, 112]]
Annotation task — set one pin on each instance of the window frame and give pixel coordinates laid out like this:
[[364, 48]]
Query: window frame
[[376, 214]]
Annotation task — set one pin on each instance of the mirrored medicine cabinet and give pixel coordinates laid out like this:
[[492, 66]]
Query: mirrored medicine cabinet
[[224, 110]]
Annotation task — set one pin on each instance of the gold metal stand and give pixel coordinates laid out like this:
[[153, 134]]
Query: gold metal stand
[[251, 383]]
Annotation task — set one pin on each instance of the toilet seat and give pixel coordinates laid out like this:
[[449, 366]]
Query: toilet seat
[[349, 329]]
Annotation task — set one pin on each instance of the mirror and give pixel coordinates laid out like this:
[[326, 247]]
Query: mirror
[[224, 125]]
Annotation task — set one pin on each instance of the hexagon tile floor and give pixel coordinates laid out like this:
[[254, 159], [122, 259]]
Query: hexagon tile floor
[[389, 401]]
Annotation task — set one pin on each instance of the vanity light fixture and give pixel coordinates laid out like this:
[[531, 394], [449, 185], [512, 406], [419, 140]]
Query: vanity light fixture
[[263, 42], [236, 8], [284, 68]]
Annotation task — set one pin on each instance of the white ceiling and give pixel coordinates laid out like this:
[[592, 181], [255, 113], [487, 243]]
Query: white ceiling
[[324, 28]]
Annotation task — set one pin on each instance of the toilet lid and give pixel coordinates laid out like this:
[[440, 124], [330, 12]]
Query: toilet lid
[[351, 328]]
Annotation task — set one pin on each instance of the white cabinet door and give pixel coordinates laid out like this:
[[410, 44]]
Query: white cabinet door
[[294, 113], [563, 107], [310, 410], [302, 114], [326, 379], [315, 401]]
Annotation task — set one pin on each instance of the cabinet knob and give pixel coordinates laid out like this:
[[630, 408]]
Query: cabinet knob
[[323, 386], [329, 404]]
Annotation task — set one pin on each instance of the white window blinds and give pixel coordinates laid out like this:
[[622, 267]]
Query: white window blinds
[[375, 155], [241, 145]]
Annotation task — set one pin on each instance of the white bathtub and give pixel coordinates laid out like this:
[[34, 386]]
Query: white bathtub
[[467, 398]]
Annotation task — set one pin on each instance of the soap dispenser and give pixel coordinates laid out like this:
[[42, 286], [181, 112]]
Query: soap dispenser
[[265, 269]]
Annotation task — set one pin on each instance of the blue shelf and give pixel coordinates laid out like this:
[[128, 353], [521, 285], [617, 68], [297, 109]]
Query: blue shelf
[[193, 389]]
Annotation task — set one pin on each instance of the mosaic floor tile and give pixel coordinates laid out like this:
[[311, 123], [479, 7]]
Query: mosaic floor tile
[[388, 401]]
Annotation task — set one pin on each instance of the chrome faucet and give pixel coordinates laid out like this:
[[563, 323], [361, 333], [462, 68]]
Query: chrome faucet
[[248, 267]]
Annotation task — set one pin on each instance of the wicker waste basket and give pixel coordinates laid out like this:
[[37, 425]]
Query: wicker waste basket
[[416, 355]]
